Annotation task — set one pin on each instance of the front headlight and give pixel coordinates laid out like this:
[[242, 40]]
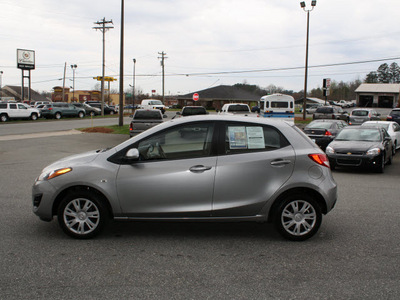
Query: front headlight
[[329, 150], [53, 174], [374, 151]]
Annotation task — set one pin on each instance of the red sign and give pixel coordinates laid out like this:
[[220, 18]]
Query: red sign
[[195, 96]]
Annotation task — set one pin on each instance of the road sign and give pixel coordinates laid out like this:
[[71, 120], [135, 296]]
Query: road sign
[[195, 96]]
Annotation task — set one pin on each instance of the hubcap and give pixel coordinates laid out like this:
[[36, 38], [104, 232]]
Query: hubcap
[[81, 216], [298, 217]]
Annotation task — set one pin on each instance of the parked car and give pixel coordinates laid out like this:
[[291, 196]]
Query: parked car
[[89, 110], [330, 112], [143, 119], [152, 104], [97, 104], [311, 108], [322, 132], [191, 111], [394, 115], [361, 115], [13, 111], [57, 110], [235, 109], [361, 146], [233, 169], [391, 127]]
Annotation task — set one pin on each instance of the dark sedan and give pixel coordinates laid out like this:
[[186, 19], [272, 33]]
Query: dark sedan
[[394, 115], [361, 146], [322, 132]]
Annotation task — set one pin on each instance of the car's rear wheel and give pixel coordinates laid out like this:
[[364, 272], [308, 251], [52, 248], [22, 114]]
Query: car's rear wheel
[[82, 215], [34, 117], [298, 217], [81, 114], [57, 116], [3, 118]]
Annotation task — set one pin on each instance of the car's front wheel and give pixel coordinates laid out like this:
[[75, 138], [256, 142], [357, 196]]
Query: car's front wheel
[[82, 215], [298, 217], [57, 116], [81, 114]]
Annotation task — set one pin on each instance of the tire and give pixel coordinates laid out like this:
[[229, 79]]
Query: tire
[[3, 118], [394, 148], [57, 116], [390, 159], [111, 112], [81, 114], [298, 217], [82, 215], [34, 117]]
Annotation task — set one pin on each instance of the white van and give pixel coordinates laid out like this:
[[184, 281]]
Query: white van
[[152, 104]]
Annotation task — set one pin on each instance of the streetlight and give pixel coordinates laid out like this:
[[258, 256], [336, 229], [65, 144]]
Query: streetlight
[[303, 6], [133, 83], [73, 67], [1, 78]]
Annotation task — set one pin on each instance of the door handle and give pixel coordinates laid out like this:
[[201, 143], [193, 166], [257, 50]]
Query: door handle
[[199, 168], [280, 162]]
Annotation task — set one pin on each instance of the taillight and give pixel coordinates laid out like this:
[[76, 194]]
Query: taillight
[[50, 108], [320, 159], [389, 118], [333, 117], [369, 116], [327, 132], [130, 126]]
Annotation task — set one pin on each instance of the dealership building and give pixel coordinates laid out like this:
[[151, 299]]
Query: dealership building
[[378, 95]]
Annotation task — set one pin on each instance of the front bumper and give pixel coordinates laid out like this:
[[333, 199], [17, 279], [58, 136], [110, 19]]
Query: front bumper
[[42, 199], [355, 160]]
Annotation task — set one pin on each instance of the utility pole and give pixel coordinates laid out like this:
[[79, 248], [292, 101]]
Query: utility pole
[[63, 87], [163, 73], [103, 28]]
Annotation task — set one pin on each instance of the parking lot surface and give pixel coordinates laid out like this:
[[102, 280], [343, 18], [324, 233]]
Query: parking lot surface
[[355, 255]]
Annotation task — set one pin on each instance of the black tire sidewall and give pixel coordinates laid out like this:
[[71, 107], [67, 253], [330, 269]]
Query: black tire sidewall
[[86, 195], [284, 203]]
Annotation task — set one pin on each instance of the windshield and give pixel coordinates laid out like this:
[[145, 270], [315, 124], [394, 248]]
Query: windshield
[[359, 134], [156, 102], [395, 113]]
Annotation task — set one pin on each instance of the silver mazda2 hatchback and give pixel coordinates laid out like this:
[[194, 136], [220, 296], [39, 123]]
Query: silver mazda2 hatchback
[[203, 168]]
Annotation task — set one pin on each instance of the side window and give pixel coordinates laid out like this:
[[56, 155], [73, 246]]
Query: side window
[[180, 142], [243, 138], [13, 106], [20, 106]]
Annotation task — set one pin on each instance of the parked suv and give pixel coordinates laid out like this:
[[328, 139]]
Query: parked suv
[[57, 110], [235, 109], [330, 112], [394, 115], [11, 110], [361, 115]]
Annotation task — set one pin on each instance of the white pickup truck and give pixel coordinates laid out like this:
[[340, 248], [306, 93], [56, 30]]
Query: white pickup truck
[[10, 111]]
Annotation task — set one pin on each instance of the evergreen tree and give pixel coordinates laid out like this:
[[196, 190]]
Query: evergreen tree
[[383, 73], [394, 71], [372, 77]]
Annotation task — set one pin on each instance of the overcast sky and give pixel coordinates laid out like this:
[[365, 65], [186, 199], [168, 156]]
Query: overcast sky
[[207, 43]]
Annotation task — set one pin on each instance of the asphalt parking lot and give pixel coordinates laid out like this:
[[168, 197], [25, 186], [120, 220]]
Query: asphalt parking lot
[[355, 255]]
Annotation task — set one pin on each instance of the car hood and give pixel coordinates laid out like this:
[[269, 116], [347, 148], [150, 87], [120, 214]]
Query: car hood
[[356, 146], [74, 160]]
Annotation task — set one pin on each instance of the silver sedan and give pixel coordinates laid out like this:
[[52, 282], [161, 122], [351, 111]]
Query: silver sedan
[[203, 168]]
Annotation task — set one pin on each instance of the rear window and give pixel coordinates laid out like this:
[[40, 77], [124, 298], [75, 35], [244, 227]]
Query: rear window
[[190, 111], [395, 113], [238, 107], [148, 114], [279, 104], [324, 110], [3, 105], [319, 125], [360, 113]]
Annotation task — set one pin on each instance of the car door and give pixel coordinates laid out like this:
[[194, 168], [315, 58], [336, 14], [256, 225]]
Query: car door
[[22, 111], [255, 162], [174, 176]]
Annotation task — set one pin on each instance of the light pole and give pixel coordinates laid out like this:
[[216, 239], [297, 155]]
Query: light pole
[[303, 6], [73, 67], [133, 83], [1, 78]]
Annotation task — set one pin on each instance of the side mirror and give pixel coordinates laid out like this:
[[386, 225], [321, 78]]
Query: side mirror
[[178, 113], [165, 116], [132, 154]]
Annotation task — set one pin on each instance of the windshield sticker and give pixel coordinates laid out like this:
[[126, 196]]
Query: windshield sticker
[[255, 137], [237, 138]]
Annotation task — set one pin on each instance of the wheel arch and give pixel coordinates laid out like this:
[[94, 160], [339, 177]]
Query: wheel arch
[[78, 188], [299, 190]]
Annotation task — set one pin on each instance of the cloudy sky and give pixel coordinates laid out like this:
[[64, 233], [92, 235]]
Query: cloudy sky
[[207, 43]]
